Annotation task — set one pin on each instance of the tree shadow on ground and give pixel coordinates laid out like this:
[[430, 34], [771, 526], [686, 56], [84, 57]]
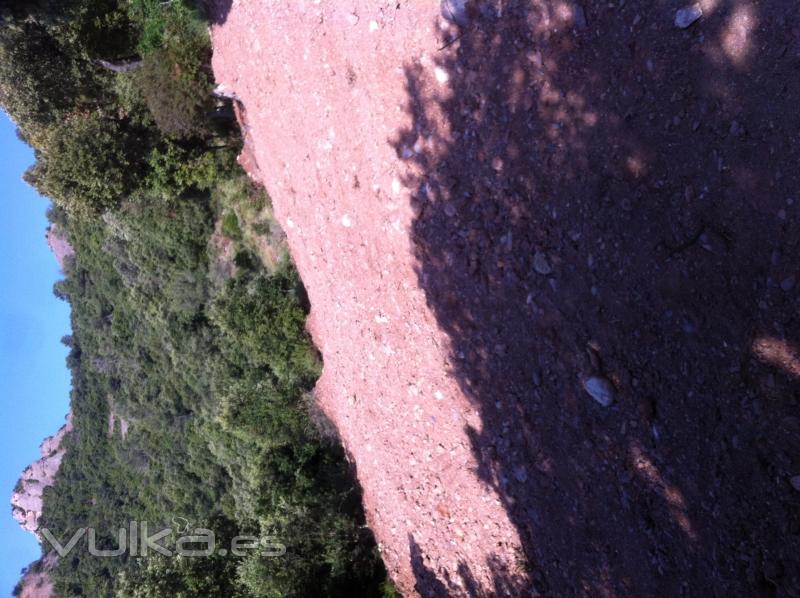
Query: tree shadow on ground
[[601, 193], [217, 10]]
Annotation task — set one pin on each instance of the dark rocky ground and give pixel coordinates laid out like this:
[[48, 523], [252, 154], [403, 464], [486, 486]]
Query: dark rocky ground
[[596, 192], [618, 197]]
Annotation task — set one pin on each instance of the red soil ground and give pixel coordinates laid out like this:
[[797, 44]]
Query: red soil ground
[[486, 216]]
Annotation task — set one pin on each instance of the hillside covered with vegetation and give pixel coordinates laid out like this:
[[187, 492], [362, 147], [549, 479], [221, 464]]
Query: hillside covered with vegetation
[[190, 364]]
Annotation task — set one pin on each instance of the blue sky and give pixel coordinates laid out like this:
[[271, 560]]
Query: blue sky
[[34, 394]]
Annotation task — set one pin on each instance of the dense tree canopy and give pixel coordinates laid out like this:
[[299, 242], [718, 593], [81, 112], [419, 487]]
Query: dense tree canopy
[[190, 366]]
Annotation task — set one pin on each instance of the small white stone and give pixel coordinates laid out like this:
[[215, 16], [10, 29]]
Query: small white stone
[[346, 222], [373, 26], [395, 186], [441, 75], [684, 17], [600, 390], [541, 264]]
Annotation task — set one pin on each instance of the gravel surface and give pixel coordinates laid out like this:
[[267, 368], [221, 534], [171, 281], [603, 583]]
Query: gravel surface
[[493, 207]]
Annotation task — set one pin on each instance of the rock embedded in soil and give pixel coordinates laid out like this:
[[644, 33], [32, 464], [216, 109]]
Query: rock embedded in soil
[[600, 389], [541, 264], [579, 17], [795, 481], [688, 15], [455, 11]]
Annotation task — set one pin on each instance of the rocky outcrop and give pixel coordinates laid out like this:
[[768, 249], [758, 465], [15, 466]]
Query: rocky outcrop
[[28, 496], [59, 245], [118, 422], [26, 501], [36, 582]]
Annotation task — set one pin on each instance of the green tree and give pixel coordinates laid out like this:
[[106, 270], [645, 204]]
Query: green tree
[[89, 163], [40, 80]]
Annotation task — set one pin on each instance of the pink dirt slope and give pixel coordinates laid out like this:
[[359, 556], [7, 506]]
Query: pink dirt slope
[[325, 91]]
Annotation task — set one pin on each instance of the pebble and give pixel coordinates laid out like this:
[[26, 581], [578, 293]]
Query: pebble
[[787, 284], [684, 17], [579, 17], [521, 474], [600, 389], [455, 11], [795, 481], [540, 264]]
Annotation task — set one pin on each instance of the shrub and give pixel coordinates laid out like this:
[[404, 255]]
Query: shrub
[[230, 226], [88, 164], [175, 79], [263, 323], [175, 169]]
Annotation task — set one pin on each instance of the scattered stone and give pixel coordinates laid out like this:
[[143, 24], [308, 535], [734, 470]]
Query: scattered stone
[[536, 376], [441, 75], [787, 284], [578, 17], [541, 264], [686, 16], [346, 222], [455, 11], [600, 389], [521, 474], [795, 481]]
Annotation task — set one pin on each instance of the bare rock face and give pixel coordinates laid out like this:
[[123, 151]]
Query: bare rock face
[[27, 498], [114, 420], [36, 582], [59, 245], [26, 501]]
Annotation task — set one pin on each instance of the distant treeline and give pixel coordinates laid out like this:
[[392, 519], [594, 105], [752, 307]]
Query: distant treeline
[[209, 367]]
